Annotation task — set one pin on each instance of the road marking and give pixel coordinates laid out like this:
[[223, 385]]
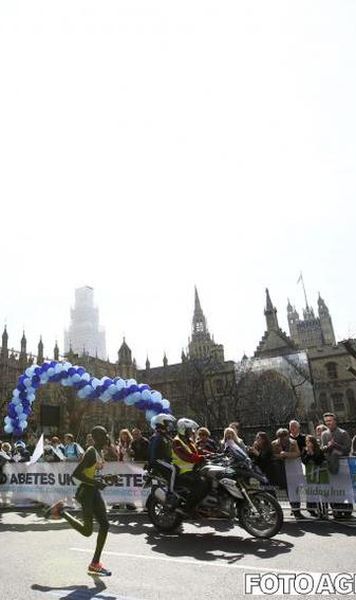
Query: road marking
[[198, 563]]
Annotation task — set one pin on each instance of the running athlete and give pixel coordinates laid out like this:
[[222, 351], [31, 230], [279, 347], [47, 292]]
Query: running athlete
[[88, 495]]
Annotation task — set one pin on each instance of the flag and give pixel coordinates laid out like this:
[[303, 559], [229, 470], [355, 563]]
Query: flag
[[300, 278], [38, 451]]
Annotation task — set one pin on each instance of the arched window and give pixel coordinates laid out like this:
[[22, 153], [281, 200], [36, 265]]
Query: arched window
[[338, 402], [331, 369]]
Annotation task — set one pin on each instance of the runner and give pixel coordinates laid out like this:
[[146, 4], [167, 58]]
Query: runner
[[88, 495]]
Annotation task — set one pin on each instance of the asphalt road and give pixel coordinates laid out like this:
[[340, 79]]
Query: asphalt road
[[44, 560]]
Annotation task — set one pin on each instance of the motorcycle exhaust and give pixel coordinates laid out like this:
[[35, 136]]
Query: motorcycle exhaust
[[160, 495]]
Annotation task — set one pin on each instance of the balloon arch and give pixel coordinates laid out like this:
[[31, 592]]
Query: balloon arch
[[89, 388]]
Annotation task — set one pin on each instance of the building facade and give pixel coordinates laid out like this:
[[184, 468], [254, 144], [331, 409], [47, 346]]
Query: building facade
[[284, 379]]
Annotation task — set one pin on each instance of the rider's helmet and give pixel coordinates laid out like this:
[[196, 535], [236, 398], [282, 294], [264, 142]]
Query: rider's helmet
[[186, 426], [163, 422]]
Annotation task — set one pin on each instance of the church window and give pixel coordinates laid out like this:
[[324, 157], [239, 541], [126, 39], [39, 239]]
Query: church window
[[338, 402], [331, 369]]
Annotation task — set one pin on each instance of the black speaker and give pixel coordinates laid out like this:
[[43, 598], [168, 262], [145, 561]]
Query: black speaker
[[50, 415]]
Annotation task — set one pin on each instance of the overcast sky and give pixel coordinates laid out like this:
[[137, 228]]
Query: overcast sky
[[146, 147]]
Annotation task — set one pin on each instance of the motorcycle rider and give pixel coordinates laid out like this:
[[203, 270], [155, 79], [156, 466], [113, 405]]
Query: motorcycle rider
[[160, 448], [185, 457]]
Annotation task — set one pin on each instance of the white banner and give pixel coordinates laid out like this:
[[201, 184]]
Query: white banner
[[317, 484], [50, 482]]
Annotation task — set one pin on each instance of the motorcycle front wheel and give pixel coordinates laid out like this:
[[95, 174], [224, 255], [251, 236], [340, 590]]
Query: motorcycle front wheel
[[162, 517], [264, 520]]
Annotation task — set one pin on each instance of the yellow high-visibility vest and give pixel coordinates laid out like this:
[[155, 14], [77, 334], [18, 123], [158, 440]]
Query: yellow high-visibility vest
[[184, 466]]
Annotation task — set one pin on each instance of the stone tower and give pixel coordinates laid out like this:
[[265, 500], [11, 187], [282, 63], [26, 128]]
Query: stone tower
[[84, 330], [326, 323], [201, 345], [311, 331]]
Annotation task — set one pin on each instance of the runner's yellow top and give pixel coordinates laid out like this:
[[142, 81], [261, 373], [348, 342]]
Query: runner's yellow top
[[90, 472]]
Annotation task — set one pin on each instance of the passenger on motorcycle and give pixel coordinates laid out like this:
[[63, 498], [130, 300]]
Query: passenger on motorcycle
[[185, 457], [160, 447]]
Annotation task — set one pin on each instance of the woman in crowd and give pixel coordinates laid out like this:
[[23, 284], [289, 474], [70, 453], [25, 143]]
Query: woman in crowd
[[262, 454], [283, 448], [125, 453], [314, 459], [123, 446], [318, 431], [230, 443], [204, 443]]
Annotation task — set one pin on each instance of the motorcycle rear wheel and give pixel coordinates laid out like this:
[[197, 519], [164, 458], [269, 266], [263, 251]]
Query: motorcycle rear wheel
[[267, 521], [163, 518]]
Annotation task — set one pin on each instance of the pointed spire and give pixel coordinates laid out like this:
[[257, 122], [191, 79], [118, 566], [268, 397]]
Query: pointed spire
[[40, 351], [4, 348], [23, 343], [5, 338], [165, 360], [124, 354], [269, 305], [271, 314], [56, 352], [322, 308], [199, 324], [148, 364], [197, 307]]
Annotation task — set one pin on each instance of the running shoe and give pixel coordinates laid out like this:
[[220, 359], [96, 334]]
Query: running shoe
[[98, 570], [55, 511]]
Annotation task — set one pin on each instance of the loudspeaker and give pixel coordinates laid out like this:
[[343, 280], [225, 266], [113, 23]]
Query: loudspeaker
[[50, 415]]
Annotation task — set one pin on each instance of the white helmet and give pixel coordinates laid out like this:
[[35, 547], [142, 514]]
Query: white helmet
[[163, 421], [184, 424]]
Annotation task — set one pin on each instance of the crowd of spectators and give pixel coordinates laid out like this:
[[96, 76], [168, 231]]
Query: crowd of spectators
[[322, 449]]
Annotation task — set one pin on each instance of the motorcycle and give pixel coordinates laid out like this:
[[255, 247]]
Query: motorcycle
[[236, 493]]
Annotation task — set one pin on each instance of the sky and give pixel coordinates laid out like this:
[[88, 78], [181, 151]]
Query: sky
[[150, 146]]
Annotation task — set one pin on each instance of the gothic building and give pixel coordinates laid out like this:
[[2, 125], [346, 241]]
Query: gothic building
[[285, 377], [312, 352], [200, 386], [311, 331]]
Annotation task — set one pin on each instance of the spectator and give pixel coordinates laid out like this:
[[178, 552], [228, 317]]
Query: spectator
[[89, 441], [110, 453], [235, 425], [318, 431], [58, 447], [5, 452], [72, 451], [139, 446], [20, 454], [31, 443], [230, 442], [204, 443], [262, 454], [125, 453], [336, 443], [313, 458], [294, 434], [123, 446], [283, 448]]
